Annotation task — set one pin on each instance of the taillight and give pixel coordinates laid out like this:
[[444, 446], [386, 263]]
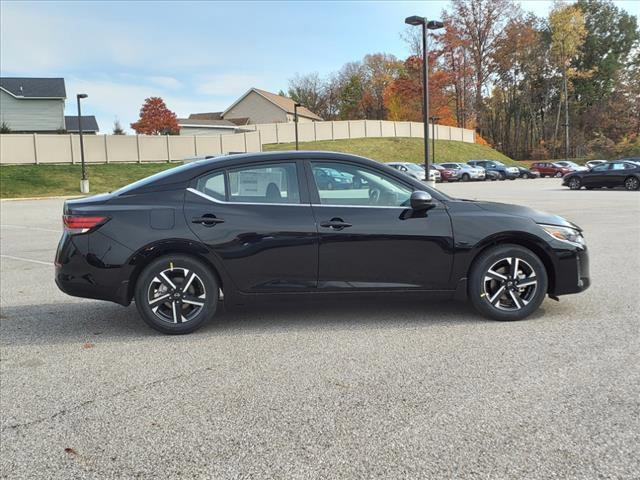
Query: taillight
[[76, 224]]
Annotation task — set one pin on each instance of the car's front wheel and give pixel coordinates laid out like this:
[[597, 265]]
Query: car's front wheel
[[466, 177], [176, 294], [507, 282], [558, 175]]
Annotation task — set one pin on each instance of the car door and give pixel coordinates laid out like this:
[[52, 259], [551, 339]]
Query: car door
[[257, 221], [597, 177], [616, 175], [369, 237]]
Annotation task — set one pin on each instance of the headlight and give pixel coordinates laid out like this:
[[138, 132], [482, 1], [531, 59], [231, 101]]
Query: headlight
[[565, 234]]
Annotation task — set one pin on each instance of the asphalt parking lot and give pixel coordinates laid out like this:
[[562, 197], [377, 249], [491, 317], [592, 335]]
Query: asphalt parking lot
[[366, 389]]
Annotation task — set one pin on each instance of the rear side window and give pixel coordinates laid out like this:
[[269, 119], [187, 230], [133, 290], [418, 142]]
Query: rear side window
[[277, 183], [213, 185]]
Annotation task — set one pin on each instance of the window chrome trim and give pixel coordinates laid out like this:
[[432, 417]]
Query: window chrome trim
[[222, 202], [356, 206]]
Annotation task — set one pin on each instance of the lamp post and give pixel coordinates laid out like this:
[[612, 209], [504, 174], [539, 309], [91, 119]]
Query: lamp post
[[416, 20], [295, 119], [433, 137], [84, 182]]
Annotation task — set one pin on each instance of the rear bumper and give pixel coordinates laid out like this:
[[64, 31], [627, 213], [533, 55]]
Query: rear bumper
[[100, 273]]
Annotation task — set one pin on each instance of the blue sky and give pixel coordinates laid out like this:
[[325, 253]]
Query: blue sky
[[198, 56]]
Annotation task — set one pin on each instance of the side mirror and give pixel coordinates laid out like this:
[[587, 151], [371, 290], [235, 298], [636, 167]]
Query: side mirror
[[421, 201]]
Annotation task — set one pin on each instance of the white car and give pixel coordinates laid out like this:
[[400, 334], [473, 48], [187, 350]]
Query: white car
[[573, 166], [415, 171], [592, 163]]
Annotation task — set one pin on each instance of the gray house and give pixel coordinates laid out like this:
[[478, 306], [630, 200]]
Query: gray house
[[32, 105]]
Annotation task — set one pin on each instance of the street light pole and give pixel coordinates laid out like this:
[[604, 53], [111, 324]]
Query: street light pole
[[84, 182], [433, 137], [426, 25], [295, 119]]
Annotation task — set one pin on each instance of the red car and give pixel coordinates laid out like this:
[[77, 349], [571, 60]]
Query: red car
[[447, 174], [550, 169]]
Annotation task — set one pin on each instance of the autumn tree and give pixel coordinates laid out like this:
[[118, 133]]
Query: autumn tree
[[117, 128], [566, 24], [156, 119], [481, 24]]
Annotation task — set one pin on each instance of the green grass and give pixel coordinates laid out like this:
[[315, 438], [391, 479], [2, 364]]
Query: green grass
[[19, 181], [400, 149]]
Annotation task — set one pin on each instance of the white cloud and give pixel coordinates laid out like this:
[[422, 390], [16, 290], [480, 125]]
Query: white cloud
[[226, 84], [166, 82]]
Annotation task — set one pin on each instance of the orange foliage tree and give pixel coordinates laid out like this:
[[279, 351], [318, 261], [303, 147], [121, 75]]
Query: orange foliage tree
[[156, 119], [403, 95]]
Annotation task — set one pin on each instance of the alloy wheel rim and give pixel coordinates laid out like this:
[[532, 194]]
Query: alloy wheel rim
[[574, 183], [176, 295], [632, 183], [510, 284]]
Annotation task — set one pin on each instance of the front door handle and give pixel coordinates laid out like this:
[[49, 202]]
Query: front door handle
[[207, 220], [336, 224]]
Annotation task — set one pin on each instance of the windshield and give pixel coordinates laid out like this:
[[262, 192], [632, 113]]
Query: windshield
[[500, 164], [414, 167]]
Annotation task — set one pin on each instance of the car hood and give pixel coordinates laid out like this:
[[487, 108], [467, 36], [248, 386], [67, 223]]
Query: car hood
[[522, 211]]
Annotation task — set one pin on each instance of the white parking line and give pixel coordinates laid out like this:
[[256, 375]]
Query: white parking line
[[24, 227], [27, 260]]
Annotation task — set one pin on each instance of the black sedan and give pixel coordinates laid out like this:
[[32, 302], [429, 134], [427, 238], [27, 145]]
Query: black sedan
[[610, 174], [260, 225], [526, 173]]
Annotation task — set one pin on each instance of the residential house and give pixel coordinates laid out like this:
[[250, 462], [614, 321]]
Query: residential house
[[89, 124], [206, 124], [260, 106], [32, 105]]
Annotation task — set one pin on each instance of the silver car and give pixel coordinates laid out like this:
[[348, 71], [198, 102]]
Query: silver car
[[573, 165], [415, 171], [466, 172]]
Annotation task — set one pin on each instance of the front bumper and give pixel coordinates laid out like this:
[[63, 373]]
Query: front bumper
[[571, 272]]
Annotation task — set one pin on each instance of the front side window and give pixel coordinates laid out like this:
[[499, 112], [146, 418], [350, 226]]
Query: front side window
[[601, 168], [277, 183], [347, 184]]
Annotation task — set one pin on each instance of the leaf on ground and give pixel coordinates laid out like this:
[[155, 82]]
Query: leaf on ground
[[88, 345]]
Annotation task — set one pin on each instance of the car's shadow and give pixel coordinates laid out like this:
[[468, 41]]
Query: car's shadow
[[92, 321]]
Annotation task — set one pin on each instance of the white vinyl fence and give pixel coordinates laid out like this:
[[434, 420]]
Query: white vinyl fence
[[18, 149], [335, 130]]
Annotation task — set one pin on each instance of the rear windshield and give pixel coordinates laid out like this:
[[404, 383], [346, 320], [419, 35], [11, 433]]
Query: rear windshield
[[154, 178]]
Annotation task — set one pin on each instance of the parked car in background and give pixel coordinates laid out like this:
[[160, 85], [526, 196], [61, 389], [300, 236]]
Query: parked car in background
[[573, 166], [609, 174], [466, 172], [332, 179], [526, 173], [500, 168], [415, 171], [446, 174], [258, 225], [550, 169], [491, 175], [592, 163], [631, 159]]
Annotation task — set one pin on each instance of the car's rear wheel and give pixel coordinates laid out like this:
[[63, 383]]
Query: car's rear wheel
[[466, 177], [176, 294], [558, 175], [632, 183], [507, 282], [526, 175], [575, 183]]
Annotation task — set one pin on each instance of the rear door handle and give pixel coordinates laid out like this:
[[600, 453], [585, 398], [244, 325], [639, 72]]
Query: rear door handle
[[208, 220], [336, 224]]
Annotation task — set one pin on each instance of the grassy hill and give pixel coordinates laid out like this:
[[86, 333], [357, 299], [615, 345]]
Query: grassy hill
[[398, 149]]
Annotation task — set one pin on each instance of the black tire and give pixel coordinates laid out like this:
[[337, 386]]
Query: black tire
[[502, 176], [465, 177], [558, 175], [201, 289], [479, 271], [631, 183], [526, 176], [575, 183]]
